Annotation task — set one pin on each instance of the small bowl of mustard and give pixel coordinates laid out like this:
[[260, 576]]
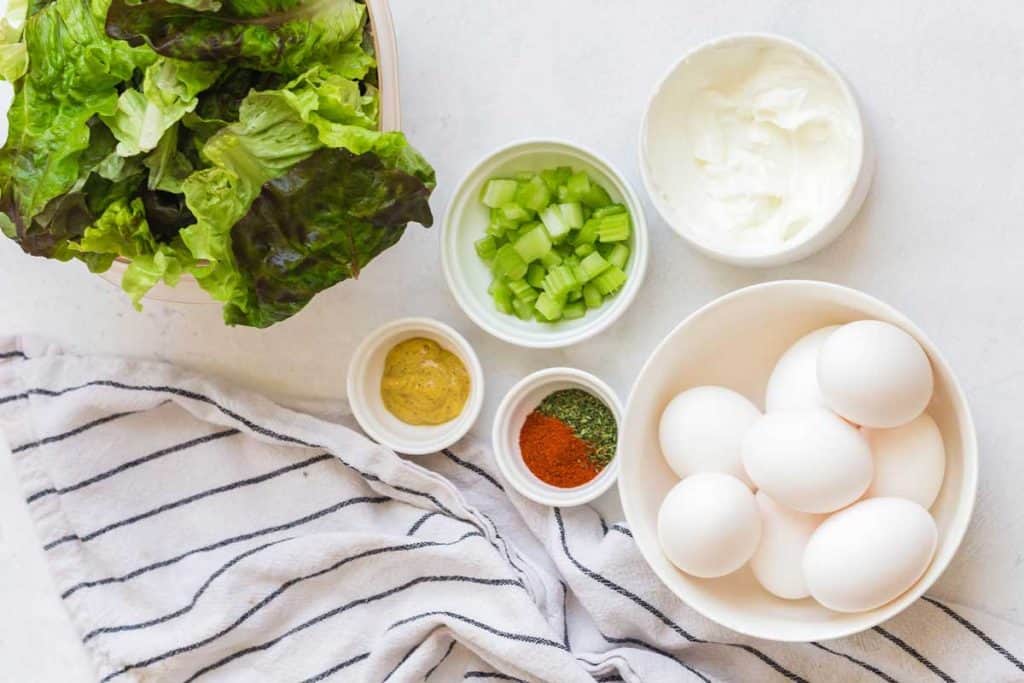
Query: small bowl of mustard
[[415, 385]]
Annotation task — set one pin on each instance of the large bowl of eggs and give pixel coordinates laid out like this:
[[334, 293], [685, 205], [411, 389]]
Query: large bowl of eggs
[[798, 461]]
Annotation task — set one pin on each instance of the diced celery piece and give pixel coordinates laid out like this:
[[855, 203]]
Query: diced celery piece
[[570, 258], [533, 194], [578, 273], [502, 296], [499, 219], [584, 249], [588, 233], [610, 280], [614, 228], [559, 281], [575, 295], [524, 176], [535, 275], [551, 259], [563, 173], [564, 250], [563, 194], [533, 244], [498, 192], [609, 210], [596, 197], [572, 214], [508, 263], [577, 186], [592, 297], [593, 265], [515, 213], [486, 247], [549, 307], [553, 221], [521, 289], [523, 309], [619, 255], [550, 178], [574, 310]]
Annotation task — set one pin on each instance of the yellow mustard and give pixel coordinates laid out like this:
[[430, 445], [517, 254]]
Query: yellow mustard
[[423, 384]]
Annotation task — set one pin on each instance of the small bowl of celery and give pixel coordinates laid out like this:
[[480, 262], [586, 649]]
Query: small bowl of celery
[[544, 244]]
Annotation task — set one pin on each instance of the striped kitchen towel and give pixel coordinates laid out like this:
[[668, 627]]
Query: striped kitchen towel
[[197, 532]]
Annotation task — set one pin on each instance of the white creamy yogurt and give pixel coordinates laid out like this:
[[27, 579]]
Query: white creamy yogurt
[[752, 146]]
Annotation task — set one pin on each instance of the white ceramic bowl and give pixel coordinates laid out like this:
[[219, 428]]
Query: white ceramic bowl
[[364, 376], [466, 220], [660, 115], [520, 402], [734, 341]]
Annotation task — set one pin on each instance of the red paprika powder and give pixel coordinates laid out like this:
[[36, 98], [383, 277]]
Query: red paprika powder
[[553, 452]]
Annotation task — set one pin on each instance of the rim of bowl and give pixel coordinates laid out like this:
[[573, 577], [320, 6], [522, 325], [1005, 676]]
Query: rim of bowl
[[854, 192], [636, 268], [968, 436], [555, 497], [447, 433]]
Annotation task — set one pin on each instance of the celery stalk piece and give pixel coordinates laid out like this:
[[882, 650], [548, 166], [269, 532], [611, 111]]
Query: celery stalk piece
[[574, 295], [593, 265], [574, 310], [588, 233], [592, 297], [508, 263], [521, 289], [577, 186], [524, 176], [614, 228], [523, 309], [572, 214], [609, 210], [563, 194], [533, 194], [535, 275], [610, 280], [499, 218], [584, 250], [549, 307], [619, 255], [486, 247], [553, 221], [551, 259], [563, 173], [578, 273], [515, 213], [550, 178], [596, 197], [559, 281], [502, 296], [534, 244], [498, 192]]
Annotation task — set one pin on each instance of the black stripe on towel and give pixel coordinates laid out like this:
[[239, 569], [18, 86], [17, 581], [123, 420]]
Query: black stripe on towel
[[74, 432], [900, 643], [419, 522], [661, 616], [336, 668], [491, 674], [656, 650], [520, 637], [881, 674], [472, 468], [133, 463], [197, 496], [327, 615], [401, 661], [621, 529], [13, 354], [976, 631], [373, 500], [451, 646], [282, 588]]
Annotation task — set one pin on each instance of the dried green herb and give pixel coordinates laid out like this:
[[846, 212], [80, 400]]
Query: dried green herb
[[589, 418]]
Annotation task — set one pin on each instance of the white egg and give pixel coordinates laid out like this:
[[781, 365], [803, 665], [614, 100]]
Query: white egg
[[910, 461], [793, 384], [702, 430], [868, 554], [708, 525], [875, 374], [811, 461], [778, 562]]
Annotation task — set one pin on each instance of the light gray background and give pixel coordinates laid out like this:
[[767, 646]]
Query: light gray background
[[941, 235]]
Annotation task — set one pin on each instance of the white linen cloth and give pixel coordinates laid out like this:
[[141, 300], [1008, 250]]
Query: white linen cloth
[[198, 532]]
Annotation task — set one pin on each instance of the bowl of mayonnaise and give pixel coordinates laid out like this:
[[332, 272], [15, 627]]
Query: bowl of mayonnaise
[[754, 150]]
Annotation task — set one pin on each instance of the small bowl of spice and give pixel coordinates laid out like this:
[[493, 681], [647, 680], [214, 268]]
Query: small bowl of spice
[[556, 436], [415, 385]]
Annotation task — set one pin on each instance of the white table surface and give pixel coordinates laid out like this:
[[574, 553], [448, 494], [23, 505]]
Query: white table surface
[[940, 236]]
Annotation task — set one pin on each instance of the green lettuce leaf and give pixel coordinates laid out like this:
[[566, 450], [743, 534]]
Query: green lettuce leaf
[[13, 52]]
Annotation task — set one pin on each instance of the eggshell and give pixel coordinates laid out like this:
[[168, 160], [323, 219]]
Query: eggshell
[[868, 554], [702, 430], [777, 563], [793, 384], [811, 461], [875, 374], [910, 461], [708, 525]]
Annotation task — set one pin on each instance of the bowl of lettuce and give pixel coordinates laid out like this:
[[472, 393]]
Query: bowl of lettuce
[[236, 144]]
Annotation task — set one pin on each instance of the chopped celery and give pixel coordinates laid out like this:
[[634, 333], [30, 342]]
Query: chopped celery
[[572, 214], [578, 273], [609, 210], [593, 265], [610, 280], [533, 244], [577, 186], [533, 194], [498, 192], [549, 307], [499, 219], [486, 247], [574, 295], [584, 249], [559, 281], [618, 255], [551, 259], [592, 297], [535, 275], [508, 263], [521, 289], [502, 296], [588, 233], [553, 221], [614, 228], [523, 309], [576, 309], [596, 197], [550, 178], [515, 213], [524, 176]]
